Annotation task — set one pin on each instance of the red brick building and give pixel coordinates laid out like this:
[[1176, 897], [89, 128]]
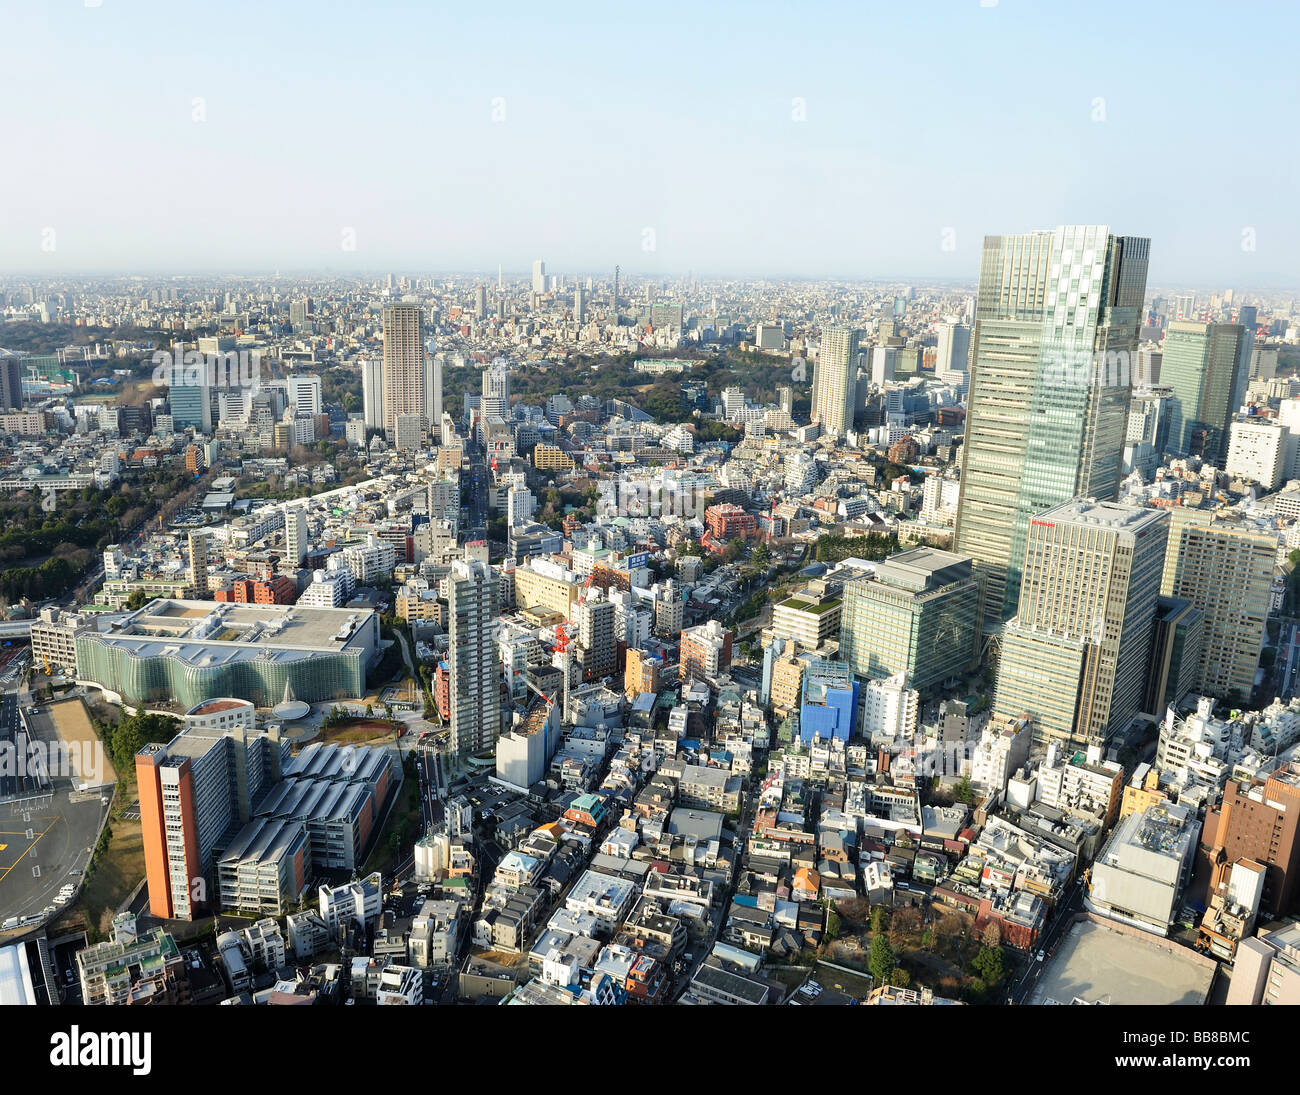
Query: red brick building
[[1257, 821], [904, 451], [726, 522], [277, 590], [442, 691]]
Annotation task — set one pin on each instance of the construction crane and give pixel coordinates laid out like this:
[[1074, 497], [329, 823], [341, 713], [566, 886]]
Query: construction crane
[[550, 702], [561, 639]]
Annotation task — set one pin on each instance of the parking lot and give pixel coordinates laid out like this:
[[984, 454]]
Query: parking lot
[[45, 844]]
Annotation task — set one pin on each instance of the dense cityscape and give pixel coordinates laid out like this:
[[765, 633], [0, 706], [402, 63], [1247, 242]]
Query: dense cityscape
[[697, 506], [590, 639]]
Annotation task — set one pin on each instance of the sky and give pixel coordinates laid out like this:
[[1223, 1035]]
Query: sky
[[854, 140]]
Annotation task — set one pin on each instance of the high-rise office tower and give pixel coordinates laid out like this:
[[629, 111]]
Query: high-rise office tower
[[480, 301], [403, 363], [1248, 318], [433, 363], [1224, 566], [1074, 658], [1146, 439], [11, 382], [953, 349], [539, 276], [495, 403], [303, 392], [884, 363], [295, 535], [372, 392], [834, 380], [1185, 306], [1199, 365], [785, 398], [189, 395], [579, 306], [198, 545], [917, 614], [474, 661], [1056, 326]]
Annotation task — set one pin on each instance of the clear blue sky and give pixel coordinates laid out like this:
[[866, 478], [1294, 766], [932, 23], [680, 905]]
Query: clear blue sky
[[378, 117]]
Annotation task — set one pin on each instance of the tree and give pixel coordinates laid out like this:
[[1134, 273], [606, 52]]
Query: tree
[[988, 964], [879, 919], [127, 741], [881, 962], [762, 555], [832, 924], [993, 934]]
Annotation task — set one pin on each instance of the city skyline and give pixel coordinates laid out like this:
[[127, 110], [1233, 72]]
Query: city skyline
[[802, 171]]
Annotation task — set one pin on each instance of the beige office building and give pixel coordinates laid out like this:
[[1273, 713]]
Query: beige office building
[[1224, 566], [546, 585], [1074, 657]]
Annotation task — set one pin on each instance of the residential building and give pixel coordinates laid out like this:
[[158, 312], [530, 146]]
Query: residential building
[[834, 380], [705, 651], [403, 364], [473, 660], [1223, 565], [1260, 452]]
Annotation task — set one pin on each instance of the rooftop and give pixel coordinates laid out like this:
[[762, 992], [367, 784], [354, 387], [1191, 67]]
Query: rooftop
[[206, 633]]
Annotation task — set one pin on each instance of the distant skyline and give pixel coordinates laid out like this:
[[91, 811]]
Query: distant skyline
[[821, 142]]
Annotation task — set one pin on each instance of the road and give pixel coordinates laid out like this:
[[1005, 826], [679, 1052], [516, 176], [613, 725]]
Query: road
[[1062, 919], [479, 480], [406, 652], [1290, 662]]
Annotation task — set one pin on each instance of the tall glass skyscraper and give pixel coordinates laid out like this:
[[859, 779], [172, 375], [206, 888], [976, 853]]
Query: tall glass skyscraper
[[1052, 359], [189, 395], [1201, 364]]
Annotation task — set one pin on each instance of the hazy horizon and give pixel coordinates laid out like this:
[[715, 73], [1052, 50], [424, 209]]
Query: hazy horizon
[[725, 143]]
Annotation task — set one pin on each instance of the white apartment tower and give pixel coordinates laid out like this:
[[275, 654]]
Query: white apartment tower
[[372, 392]]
